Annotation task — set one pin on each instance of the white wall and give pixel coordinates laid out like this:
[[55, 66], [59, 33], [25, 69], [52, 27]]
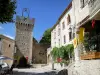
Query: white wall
[[62, 31], [80, 13], [66, 31], [55, 37]]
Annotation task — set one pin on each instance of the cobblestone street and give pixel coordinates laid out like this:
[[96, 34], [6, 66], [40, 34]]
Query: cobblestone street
[[35, 71], [40, 71]]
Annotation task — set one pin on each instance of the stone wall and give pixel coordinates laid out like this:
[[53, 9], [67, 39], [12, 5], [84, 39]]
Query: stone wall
[[85, 67], [39, 53], [7, 48]]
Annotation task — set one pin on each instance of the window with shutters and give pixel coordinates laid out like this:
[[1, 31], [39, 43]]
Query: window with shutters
[[68, 19]]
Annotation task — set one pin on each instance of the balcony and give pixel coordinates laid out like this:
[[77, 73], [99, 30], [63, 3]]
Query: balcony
[[91, 55], [94, 6]]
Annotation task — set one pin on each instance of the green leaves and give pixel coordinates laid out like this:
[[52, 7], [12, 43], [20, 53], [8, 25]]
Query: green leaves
[[46, 39], [63, 52], [7, 10]]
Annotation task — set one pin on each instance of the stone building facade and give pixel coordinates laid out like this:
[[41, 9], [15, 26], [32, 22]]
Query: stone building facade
[[7, 48], [23, 39]]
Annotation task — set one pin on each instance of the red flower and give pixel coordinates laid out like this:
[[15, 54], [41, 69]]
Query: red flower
[[93, 23], [27, 58], [59, 59]]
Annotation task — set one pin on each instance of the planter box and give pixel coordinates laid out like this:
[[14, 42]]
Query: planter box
[[91, 55]]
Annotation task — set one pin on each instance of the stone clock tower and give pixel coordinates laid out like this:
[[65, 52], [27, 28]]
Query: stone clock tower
[[23, 39]]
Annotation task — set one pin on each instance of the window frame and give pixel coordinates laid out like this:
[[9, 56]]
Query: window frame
[[68, 19], [63, 25], [70, 35], [83, 3], [64, 38]]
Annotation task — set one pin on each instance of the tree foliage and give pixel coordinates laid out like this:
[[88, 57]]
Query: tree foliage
[[63, 52], [7, 10], [70, 49], [46, 39], [55, 53]]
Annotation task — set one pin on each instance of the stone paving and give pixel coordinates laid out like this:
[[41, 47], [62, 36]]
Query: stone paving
[[39, 71], [35, 71], [32, 73]]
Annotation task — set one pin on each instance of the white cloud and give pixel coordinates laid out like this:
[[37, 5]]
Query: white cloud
[[9, 36], [1, 27]]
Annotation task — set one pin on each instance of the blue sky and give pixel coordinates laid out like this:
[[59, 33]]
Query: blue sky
[[45, 12]]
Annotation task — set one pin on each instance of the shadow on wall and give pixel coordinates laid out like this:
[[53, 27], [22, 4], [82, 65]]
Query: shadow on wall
[[21, 60], [23, 63]]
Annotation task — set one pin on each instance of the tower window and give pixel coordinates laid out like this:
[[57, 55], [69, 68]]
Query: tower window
[[0, 39], [9, 45]]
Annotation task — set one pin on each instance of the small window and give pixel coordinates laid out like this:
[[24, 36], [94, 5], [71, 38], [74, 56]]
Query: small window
[[0, 39], [59, 42], [82, 3], [64, 39], [9, 45], [73, 35], [63, 25], [68, 19], [70, 35]]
